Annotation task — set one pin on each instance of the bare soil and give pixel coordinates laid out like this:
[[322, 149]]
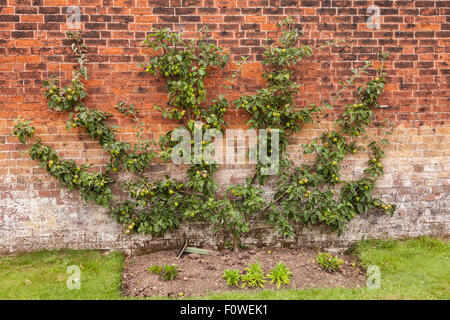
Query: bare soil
[[202, 274]]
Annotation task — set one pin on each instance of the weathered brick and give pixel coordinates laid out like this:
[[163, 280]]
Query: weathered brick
[[33, 48]]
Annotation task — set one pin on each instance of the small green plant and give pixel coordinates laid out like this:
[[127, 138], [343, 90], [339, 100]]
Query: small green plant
[[328, 262], [155, 269], [170, 272], [254, 276], [280, 275], [232, 276]]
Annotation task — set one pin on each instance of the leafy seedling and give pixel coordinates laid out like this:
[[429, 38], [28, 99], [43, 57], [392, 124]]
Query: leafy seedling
[[155, 269], [254, 276], [280, 275], [232, 276], [170, 272], [328, 262]]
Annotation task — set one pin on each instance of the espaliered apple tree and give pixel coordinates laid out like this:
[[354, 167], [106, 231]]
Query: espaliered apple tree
[[309, 194]]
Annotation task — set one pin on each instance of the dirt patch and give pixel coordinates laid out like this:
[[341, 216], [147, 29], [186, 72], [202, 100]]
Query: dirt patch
[[201, 274]]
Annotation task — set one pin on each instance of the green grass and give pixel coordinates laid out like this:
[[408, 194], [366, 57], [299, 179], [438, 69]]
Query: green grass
[[43, 275], [410, 269]]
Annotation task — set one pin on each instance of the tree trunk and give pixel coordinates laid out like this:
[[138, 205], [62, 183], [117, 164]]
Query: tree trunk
[[235, 243]]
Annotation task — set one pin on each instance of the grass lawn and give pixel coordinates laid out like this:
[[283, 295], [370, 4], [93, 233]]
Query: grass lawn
[[42, 275], [410, 269]]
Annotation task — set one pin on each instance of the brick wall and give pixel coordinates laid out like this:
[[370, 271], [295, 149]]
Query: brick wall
[[36, 213]]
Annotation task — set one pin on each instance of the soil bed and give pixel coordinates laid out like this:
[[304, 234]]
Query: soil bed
[[202, 274]]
